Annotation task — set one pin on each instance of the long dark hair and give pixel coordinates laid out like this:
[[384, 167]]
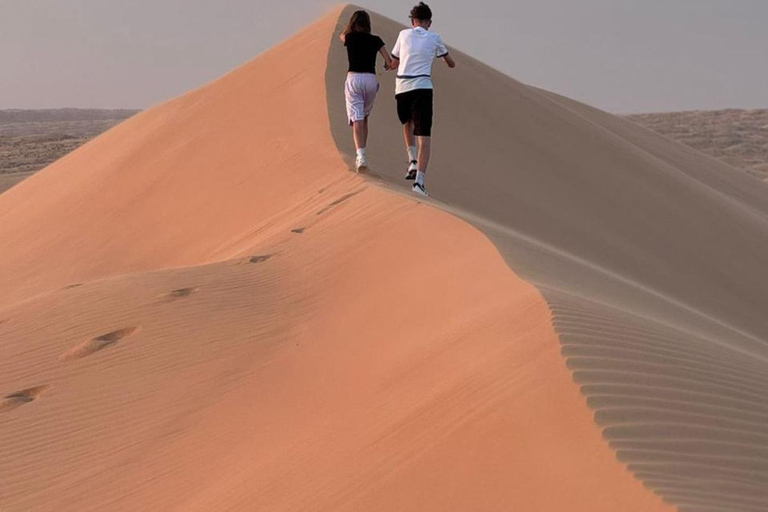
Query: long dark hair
[[359, 22]]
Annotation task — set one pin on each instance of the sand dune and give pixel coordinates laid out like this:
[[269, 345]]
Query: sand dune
[[651, 257], [306, 381], [203, 309]]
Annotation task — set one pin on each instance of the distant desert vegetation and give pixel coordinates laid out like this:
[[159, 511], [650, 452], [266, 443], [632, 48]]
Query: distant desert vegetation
[[32, 139], [737, 137]]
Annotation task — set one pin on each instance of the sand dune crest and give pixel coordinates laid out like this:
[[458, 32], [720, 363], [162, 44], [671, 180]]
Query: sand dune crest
[[312, 339]]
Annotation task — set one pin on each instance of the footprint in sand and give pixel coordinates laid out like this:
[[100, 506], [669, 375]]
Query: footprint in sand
[[339, 201], [260, 258], [87, 348], [73, 285], [178, 294], [19, 398]]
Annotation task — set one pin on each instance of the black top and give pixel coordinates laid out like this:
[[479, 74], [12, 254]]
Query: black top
[[361, 51]]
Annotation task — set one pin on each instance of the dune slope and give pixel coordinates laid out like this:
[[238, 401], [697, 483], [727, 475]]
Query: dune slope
[[650, 255], [181, 184], [203, 310]]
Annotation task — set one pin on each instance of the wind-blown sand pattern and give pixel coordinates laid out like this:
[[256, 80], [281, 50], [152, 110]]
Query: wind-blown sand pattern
[[217, 315]]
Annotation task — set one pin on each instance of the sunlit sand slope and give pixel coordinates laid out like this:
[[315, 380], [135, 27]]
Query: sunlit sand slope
[[179, 184], [320, 372]]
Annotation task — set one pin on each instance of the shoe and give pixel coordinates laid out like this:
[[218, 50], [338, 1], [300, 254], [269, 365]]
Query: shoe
[[412, 170], [361, 164], [419, 189]]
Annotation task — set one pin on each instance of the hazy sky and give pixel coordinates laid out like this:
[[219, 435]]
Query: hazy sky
[[619, 55]]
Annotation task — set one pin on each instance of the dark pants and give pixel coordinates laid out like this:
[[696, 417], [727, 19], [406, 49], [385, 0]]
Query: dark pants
[[416, 106]]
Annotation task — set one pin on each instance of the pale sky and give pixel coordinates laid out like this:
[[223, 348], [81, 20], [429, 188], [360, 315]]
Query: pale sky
[[618, 55]]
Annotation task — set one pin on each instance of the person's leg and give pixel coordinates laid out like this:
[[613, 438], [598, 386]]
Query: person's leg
[[410, 143], [410, 138], [411, 147], [355, 99], [370, 87], [405, 114], [360, 133], [422, 120], [425, 151], [352, 103]]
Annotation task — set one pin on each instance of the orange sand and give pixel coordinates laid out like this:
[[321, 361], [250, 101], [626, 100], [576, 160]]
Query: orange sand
[[383, 357]]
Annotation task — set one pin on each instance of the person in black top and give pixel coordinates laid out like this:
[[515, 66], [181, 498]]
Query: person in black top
[[362, 85]]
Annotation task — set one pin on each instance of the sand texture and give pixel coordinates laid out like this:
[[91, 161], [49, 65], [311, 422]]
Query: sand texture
[[650, 255], [204, 310]]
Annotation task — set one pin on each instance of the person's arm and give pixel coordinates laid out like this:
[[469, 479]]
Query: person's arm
[[442, 53], [394, 61], [388, 62]]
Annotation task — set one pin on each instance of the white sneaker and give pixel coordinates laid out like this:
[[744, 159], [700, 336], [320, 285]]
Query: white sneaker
[[412, 168], [419, 189], [361, 164]]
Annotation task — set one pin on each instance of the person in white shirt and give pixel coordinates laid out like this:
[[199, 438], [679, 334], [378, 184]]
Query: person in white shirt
[[414, 52]]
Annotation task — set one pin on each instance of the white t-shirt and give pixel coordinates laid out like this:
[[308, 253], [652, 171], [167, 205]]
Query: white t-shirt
[[416, 48]]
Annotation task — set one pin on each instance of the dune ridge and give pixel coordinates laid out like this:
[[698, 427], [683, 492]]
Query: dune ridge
[[649, 254], [203, 310]]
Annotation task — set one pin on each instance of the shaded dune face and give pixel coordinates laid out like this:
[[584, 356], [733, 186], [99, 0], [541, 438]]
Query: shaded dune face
[[650, 255]]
